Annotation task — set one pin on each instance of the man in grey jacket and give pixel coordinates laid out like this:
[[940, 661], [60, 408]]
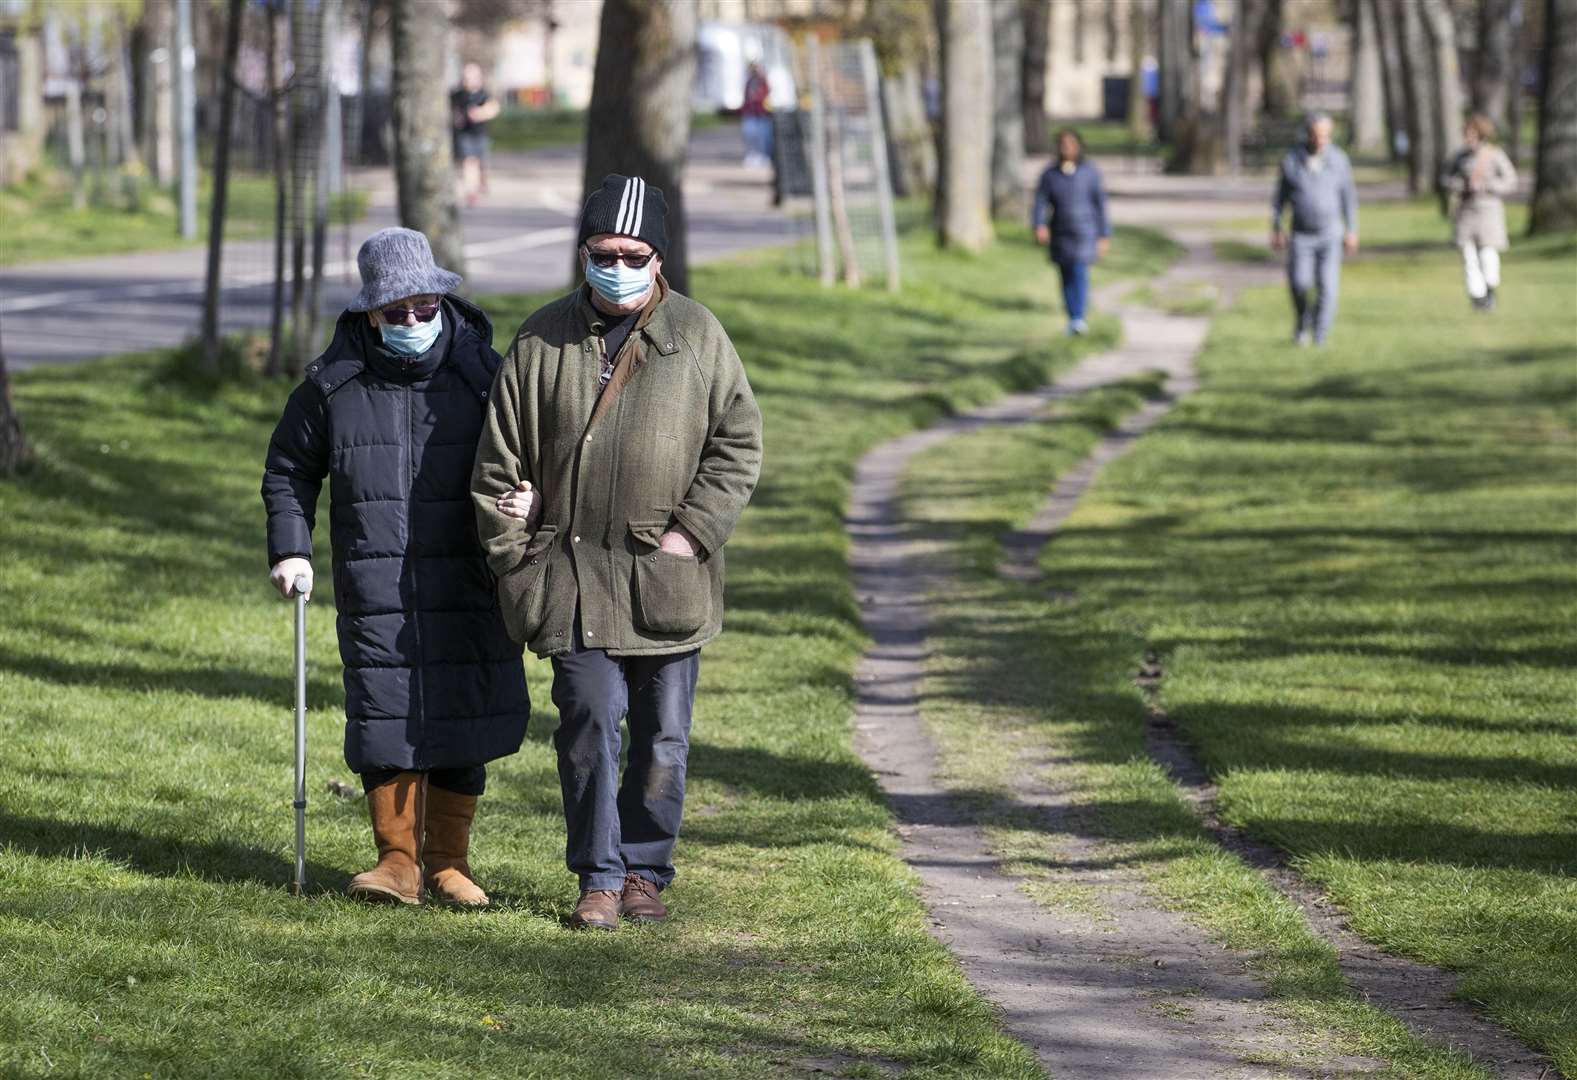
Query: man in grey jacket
[[1315, 181]]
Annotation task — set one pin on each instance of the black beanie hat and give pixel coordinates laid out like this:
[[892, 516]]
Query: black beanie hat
[[626, 206]]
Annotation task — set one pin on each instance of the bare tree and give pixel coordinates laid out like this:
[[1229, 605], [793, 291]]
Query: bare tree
[[15, 453], [1175, 35], [1418, 89], [1391, 73], [1037, 44], [423, 156], [1368, 87], [1495, 69], [1209, 136], [1007, 127], [1233, 106], [639, 120], [1278, 79], [1555, 178], [1138, 32], [964, 28], [216, 213], [279, 140], [1441, 32]]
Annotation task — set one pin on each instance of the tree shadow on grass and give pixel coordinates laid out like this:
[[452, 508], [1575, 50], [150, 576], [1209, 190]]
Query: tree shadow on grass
[[160, 854]]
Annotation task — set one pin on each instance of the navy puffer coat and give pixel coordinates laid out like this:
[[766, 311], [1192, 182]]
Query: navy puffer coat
[[431, 678]]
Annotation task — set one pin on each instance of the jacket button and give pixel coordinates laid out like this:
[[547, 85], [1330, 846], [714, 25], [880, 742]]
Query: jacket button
[[651, 558], [577, 539], [590, 634], [533, 562], [484, 395], [588, 438], [668, 345]]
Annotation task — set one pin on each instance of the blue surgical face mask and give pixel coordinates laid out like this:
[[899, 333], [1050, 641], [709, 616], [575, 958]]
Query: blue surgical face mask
[[412, 340], [618, 284]]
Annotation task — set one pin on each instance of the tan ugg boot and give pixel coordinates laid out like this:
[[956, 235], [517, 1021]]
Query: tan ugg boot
[[449, 816], [397, 813]]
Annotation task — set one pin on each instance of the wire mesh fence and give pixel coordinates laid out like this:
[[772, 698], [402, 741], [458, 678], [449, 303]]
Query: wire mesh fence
[[833, 151]]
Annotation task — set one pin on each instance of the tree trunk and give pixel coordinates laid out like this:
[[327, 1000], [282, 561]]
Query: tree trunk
[[305, 109], [1207, 126], [1278, 79], [1382, 18], [1441, 31], [15, 453], [423, 131], [1495, 70], [161, 120], [1417, 82], [279, 147], [1008, 198], [1037, 44], [1233, 106], [216, 212], [913, 148], [1138, 33], [1176, 60], [1555, 179], [964, 30], [638, 123], [1368, 88]]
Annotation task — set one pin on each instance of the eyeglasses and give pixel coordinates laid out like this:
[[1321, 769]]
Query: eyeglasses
[[604, 260], [396, 315]]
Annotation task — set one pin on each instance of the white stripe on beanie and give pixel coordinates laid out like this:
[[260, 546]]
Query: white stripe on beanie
[[624, 206], [640, 206]]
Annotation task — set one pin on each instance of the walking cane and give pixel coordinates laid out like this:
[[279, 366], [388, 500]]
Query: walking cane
[[299, 884]]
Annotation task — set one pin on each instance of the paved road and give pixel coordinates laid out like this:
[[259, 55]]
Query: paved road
[[519, 240]]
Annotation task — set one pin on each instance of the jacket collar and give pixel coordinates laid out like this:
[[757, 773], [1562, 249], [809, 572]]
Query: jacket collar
[[655, 321]]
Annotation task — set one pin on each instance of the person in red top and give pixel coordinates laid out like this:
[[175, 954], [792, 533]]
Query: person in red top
[[756, 118]]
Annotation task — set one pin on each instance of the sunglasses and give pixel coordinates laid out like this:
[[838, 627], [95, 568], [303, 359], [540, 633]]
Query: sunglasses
[[603, 260], [396, 315]]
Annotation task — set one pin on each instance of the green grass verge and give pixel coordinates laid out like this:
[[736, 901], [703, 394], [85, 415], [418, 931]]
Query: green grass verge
[[1357, 566], [524, 130], [41, 223], [145, 754]]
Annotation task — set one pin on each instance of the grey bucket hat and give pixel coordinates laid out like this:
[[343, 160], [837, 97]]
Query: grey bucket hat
[[396, 263]]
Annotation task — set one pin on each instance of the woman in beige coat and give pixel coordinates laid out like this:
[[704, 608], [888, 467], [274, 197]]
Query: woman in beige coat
[[1479, 175]]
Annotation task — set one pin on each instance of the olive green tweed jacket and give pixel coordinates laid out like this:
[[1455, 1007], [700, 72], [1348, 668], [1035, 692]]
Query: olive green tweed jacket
[[680, 444]]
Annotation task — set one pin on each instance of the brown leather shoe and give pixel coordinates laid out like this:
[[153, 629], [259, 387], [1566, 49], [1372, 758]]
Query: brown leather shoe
[[445, 850], [639, 900], [396, 808], [598, 909]]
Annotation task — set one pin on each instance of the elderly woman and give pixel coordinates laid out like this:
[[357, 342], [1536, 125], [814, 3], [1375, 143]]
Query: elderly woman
[[1070, 219], [390, 414], [1479, 175]]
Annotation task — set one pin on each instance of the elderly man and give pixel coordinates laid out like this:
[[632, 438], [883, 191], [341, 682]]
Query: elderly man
[[1316, 181], [434, 687], [622, 443]]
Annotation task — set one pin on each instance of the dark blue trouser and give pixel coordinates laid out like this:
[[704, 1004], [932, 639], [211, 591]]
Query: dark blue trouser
[[616, 828], [1075, 287]]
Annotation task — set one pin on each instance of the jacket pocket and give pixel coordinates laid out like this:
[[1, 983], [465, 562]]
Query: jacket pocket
[[672, 594], [523, 592]]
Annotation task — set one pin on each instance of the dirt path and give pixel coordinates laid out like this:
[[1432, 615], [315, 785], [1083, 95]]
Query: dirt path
[[1144, 994]]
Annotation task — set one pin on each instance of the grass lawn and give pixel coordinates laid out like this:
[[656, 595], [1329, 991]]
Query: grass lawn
[[1357, 566], [524, 130], [41, 223], [145, 753]]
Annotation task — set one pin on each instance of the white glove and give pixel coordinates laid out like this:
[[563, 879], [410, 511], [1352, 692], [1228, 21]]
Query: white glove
[[285, 573]]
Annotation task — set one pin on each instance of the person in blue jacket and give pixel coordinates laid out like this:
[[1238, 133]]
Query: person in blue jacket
[[390, 416], [1070, 218]]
